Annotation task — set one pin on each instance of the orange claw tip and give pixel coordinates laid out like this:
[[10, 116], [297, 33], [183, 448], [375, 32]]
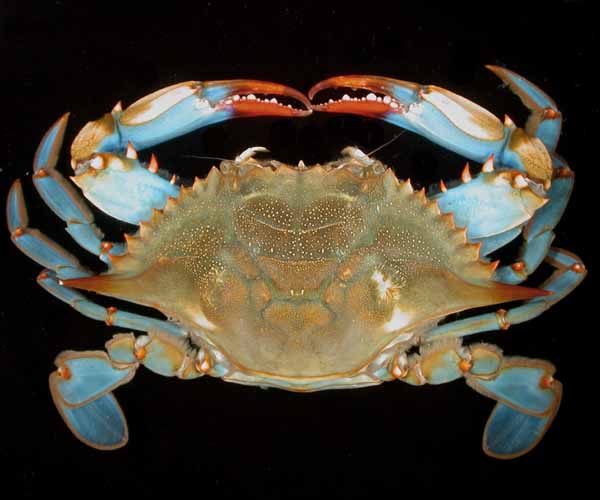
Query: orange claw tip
[[239, 95], [443, 187], [118, 107], [366, 82], [370, 105]]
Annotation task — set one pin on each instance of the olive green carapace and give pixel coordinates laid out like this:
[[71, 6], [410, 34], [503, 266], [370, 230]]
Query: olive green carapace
[[297, 272]]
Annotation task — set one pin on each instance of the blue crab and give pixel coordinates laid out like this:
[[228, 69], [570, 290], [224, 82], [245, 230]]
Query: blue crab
[[337, 275]]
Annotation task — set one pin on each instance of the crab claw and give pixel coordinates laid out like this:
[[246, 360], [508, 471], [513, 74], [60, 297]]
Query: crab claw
[[239, 97], [415, 107], [442, 117], [182, 108]]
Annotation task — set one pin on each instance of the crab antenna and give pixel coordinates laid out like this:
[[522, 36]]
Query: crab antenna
[[204, 157], [387, 143]]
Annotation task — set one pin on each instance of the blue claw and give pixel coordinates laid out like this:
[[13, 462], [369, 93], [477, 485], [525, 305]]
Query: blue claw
[[444, 118], [179, 109], [122, 186], [492, 203]]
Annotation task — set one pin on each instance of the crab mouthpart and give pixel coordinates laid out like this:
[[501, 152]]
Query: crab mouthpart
[[240, 97], [379, 101]]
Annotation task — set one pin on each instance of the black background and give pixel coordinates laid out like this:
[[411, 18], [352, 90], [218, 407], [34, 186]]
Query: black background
[[208, 437]]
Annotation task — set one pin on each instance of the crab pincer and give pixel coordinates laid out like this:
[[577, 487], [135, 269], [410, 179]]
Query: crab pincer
[[443, 117], [105, 152]]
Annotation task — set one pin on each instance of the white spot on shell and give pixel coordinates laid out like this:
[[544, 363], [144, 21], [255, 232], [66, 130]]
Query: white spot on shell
[[399, 320]]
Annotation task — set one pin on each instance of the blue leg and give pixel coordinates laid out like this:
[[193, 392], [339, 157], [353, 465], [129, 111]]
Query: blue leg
[[83, 383], [545, 120], [538, 233], [528, 396], [82, 388], [60, 196], [35, 244], [111, 315], [569, 273], [65, 202]]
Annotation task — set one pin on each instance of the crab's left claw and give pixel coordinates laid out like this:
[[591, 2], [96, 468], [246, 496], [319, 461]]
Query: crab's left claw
[[444, 118], [182, 108]]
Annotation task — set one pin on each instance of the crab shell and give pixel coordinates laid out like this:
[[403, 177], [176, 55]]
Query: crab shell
[[302, 276]]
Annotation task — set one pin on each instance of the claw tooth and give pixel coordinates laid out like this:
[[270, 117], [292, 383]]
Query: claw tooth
[[131, 153], [443, 187], [488, 166], [153, 165], [173, 179], [345, 97], [508, 123], [118, 107], [465, 176], [519, 182]]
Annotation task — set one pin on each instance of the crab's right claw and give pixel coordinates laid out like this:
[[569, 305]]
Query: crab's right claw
[[442, 117], [104, 154], [182, 108]]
